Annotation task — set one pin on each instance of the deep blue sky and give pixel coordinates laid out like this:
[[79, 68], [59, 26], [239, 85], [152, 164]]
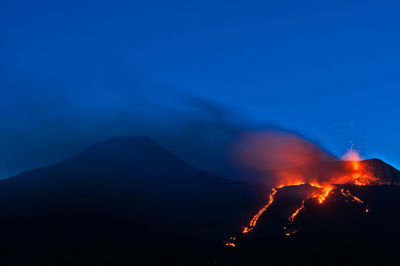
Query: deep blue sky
[[76, 72]]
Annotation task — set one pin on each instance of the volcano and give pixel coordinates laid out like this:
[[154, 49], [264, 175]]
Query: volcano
[[129, 201], [353, 222]]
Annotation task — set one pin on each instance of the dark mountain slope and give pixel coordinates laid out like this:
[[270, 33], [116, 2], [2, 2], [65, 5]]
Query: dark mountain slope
[[335, 233], [123, 200], [340, 231]]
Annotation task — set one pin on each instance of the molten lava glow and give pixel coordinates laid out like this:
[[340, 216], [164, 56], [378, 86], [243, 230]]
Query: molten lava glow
[[356, 173], [353, 174], [322, 193], [347, 193], [293, 162], [291, 218], [254, 220], [230, 244], [291, 233], [290, 160]]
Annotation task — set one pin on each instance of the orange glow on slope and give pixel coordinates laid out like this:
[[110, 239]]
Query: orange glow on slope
[[319, 195], [354, 173], [347, 193], [357, 175], [254, 220], [289, 160], [291, 233], [323, 192], [291, 218], [230, 244]]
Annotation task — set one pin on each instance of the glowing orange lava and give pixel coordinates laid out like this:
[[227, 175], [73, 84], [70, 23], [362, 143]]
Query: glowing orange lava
[[335, 175], [322, 193], [230, 244], [356, 175], [347, 193], [253, 221], [291, 233], [291, 218], [353, 174]]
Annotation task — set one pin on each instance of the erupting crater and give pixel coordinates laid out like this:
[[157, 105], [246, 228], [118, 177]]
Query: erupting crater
[[328, 178]]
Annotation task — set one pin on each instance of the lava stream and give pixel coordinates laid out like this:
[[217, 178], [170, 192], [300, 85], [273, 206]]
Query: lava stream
[[291, 233], [231, 242], [254, 220], [348, 194], [319, 195], [291, 218], [350, 172]]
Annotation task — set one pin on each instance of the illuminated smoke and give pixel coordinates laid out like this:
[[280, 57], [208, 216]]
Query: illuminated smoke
[[282, 158], [285, 159]]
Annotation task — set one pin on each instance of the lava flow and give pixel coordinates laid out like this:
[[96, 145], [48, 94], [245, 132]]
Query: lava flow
[[352, 174], [291, 218], [253, 221], [320, 195], [324, 177], [289, 160]]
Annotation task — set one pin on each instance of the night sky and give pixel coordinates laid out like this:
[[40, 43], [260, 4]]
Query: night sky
[[193, 74]]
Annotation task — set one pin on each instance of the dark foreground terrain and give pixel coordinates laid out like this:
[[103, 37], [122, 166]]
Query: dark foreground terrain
[[128, 201], [334, 233]]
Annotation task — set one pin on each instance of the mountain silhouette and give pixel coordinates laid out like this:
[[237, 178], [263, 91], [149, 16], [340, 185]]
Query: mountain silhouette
[[129, 201], [123, 201]]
